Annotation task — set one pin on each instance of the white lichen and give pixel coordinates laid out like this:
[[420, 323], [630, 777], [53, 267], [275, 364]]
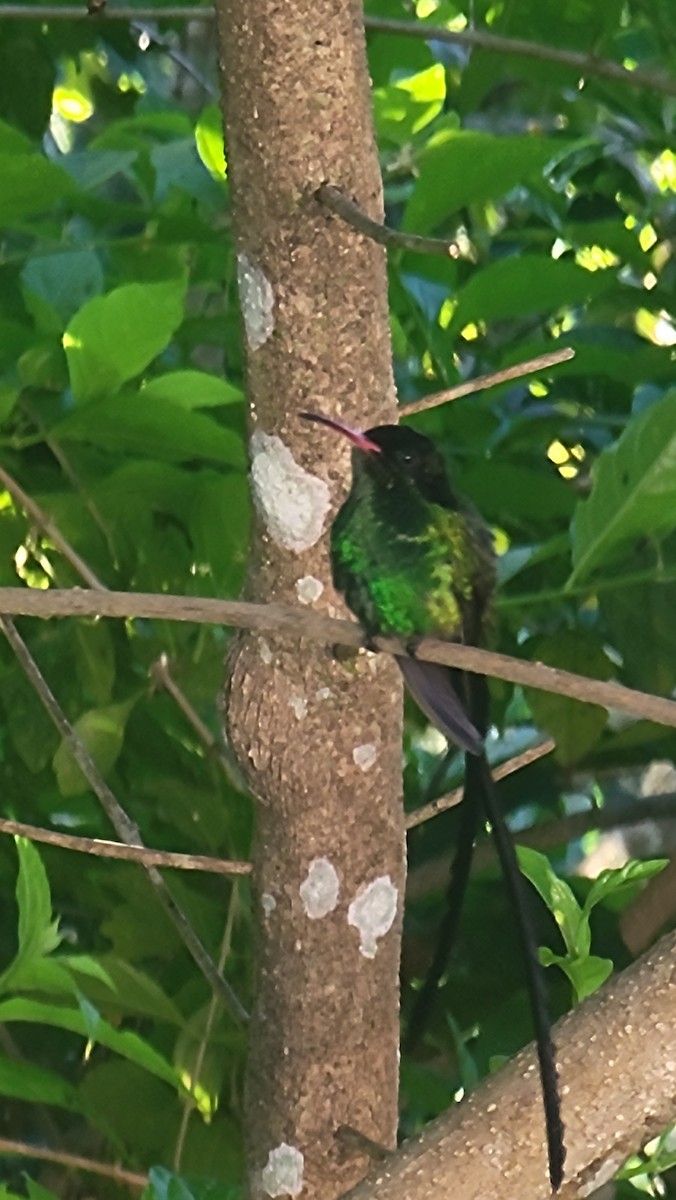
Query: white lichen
[[298, 705], [264, 651], [292, 502], [257, 301], [320, 889], [372, 912], [268, 903], [365, 756], [309, 589], [283, 1174], [323, 693]]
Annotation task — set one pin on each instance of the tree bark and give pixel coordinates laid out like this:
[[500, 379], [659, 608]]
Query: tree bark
[[617, 1059], [319, 740]]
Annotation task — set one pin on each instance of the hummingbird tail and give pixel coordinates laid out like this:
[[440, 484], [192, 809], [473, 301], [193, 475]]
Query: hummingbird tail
[[479, 775], [431, 687]]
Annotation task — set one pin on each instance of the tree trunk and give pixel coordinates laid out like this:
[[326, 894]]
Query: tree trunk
[[319, 739]]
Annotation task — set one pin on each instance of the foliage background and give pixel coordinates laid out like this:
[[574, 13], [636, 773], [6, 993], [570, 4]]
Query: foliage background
[[122, 417]]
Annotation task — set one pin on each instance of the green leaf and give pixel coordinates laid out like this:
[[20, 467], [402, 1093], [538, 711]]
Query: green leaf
[[23, 1081], [113, 337], [64, 281], [37, 1192], [96, 660], [192, 389], [14, 142], [30, 184], [575, 726], [559, 899], [524, 284], [90, 1025], [209, 141], [634, 492], [613, 880], [147, 425], [125, 987], [102, 732], [38, 934], [44, 975], [585, 974], [220, 516], [459, 167], [403, 108]]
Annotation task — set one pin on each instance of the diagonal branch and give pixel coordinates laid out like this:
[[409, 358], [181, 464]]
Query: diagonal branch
[[74, 1162], [611, 1065], [481, 39], [340, 204], [125, 828], [140, 854], [443, 803], [528, 367], [298, 623]]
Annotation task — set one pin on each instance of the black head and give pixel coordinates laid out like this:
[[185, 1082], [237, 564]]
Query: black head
[[390, 454]]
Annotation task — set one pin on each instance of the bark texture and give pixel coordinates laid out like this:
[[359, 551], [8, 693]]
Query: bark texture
[[319, 739], [617, 1059]]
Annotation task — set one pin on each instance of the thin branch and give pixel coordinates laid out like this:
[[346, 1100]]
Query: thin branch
[[139, 854], [491, 1144], [125, 828], [433, 875], [584, 64], [296, 622], [385, 235], [181, 60], [73, 1162], [160, 673], [212, 1012], [529, 367], [80, 12], [443, 803], [45, 523]]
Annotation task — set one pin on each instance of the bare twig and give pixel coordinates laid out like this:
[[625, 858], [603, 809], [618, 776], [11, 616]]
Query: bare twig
[[139, 854], [124, 12], [73, 1162], [125, 828], [385, 235], [297, 622], [584, 64], [443, 803], [160, 673], [529, 367]]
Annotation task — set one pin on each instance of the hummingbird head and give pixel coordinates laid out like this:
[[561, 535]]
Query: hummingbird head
[[392, 454]]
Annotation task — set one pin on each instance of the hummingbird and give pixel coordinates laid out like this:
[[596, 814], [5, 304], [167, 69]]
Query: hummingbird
[[414, 559]]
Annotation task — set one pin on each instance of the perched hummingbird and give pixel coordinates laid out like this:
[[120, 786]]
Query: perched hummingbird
[[413, 559]]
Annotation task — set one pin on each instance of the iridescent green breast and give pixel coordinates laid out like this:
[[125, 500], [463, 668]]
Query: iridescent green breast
[[405, 566]]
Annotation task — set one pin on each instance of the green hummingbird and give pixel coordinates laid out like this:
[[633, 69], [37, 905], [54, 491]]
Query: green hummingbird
[[414, 559]]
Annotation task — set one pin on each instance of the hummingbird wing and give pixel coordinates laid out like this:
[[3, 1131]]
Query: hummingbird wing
[[432, 689]]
